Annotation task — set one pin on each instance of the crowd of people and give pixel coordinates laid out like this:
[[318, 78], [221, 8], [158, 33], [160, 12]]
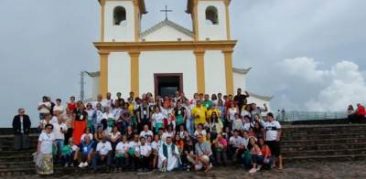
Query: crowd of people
[[357, 115], [157, 133]]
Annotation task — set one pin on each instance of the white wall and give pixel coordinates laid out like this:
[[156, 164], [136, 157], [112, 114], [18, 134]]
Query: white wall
[[126, 30], [215, 80], [208, 30], [167, 33], [168, 62], [119, 80], [239, 81]]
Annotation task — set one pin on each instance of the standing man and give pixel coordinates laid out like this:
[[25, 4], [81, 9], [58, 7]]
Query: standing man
[[272, 137], [241, 99], [199, 114], [21, 127]]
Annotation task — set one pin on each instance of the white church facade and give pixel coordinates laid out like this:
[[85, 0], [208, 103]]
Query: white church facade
[[167, 57]]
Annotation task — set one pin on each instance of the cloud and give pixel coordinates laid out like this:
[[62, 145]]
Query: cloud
[[344, 83]]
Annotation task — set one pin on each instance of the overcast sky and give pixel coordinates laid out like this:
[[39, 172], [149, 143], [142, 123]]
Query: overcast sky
[[308, 54]]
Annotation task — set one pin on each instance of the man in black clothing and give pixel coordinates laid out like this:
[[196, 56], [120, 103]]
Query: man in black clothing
[[241, 99], [21, 127]]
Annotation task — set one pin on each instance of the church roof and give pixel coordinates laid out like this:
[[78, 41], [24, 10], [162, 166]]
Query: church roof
[[169, 23], [265, 98], [241, 70]]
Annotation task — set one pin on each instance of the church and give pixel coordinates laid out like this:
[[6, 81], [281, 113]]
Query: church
[[167, 57]]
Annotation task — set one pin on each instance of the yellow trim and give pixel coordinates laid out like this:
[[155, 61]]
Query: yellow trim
[[102, 18], [196, 23], [228, 54], [135, 72], [200, 70], [228, 29], [164, 45], [137, 20], [103, 80]]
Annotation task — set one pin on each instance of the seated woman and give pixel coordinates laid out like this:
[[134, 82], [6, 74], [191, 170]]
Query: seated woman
[[87, 133], [99, 135], [132, 145], [86, 152], [69, 154], [257, 156], [114, 136], [220, 146], [200, 131], [121, 153], [188, 154], [155, 146], [267, 155]]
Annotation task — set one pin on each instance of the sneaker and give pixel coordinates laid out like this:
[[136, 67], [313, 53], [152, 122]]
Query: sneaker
[[81, 165], [86, 164], [253, 170], [66, 165]]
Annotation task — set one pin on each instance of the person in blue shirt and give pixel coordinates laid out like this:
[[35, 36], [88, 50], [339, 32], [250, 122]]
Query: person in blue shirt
[[86, 150]]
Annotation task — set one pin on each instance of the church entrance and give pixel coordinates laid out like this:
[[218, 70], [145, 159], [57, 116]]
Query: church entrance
[[166, 84]]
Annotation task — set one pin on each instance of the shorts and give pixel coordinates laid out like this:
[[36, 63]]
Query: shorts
[[275, 147]]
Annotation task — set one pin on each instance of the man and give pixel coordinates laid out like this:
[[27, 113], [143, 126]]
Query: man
[[204, 153], [144, 114], [103, 153], [257, 110], [241, 99], [142, 153], [146, 132], [21, 128], [272, 137], [237, 145], [58, 107], [360, 113], [199, 114], [108, 101], [207, 103], [169, 156], [59, 130]]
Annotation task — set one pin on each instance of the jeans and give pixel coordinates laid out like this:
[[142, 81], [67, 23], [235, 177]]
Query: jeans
[[98, 160], [59, 146], [121, 162]]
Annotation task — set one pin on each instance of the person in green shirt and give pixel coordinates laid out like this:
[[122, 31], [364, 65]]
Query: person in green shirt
[[207, 103], [69, 153]]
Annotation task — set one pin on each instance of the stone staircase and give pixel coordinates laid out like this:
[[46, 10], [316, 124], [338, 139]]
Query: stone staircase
[[337, 142], [300, 143]]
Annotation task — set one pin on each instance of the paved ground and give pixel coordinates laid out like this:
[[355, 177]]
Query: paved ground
[[341, 170]]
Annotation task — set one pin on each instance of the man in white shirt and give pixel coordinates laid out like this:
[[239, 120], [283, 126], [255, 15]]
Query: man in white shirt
[[272, 137], [237, 145], [146, 132], [59, 130], [143, 152], [103, 154]]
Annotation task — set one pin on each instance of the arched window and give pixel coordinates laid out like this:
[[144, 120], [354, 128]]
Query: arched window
[[119, 15], [212, 15]]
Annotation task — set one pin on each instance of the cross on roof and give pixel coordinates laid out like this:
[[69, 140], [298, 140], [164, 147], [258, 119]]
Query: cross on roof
[[166, 10]]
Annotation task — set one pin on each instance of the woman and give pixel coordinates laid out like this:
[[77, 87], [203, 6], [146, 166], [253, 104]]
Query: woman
[[220, 146], [231, 113], [130, 133], [215, 125], [92, 117], [267, 155], [155, 146], [80, 122], [46, 141], [114, 136], [108, 115], [237, 123], [157, 119], [87, 133], [200, 131], [99, 135], [257, 156], [69, 154]]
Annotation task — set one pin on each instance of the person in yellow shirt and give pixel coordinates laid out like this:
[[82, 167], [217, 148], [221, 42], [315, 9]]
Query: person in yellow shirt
[[212, 110], [199, 113]]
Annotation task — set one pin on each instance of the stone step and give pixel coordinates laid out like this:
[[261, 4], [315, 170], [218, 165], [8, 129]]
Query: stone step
[[322, 136], [16, 164], [317, 141], [328, 158], [25, 157], [301, 147], [324, 152]]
